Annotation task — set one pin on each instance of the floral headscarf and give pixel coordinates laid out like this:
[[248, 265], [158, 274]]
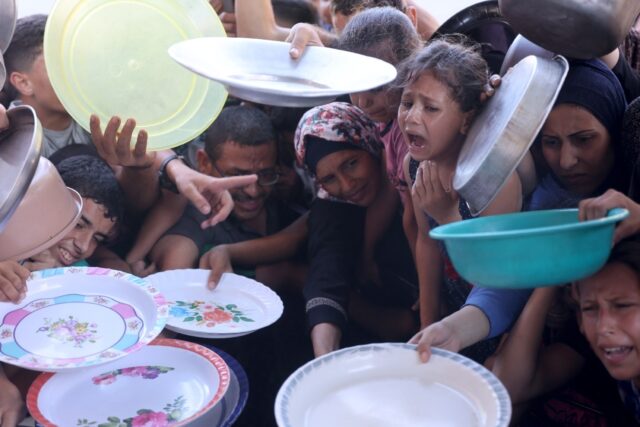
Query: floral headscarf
[[337, 122]]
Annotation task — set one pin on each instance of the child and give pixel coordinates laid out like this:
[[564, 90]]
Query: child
[[388, 34], [442, 86], [609, 318]]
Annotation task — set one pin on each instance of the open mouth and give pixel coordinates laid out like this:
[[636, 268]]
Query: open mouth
[[616, 354], [415, 141], [66, 257]]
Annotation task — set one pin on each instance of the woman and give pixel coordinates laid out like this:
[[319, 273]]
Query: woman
[[341, 148]]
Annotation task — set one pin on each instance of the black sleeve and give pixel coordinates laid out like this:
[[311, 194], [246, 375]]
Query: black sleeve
[[628, 77], [336, 232], [189, 226]]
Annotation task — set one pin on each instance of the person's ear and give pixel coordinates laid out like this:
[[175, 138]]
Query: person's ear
[[204, 163], [467, 121], [412, 13], [21, 82]]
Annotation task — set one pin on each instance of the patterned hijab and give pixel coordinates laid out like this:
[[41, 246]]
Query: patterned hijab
[[335, 124]]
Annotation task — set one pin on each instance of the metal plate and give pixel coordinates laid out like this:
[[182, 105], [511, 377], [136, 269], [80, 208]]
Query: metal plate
[[520, 48], [20, 147], [7, 22], [575, 28], [3, 72], [262, 71], [506, 127]]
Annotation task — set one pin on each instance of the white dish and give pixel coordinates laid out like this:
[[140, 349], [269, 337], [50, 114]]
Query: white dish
[[169, 382], [236, 307], [386, 385], [262, 71], [79, 316], [225, 413]]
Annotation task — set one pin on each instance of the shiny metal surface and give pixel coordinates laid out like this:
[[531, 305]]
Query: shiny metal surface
[[262, 71], [3, 72], [520, 48], [574, 28], [7, 22], [506, 127], [20, 147]]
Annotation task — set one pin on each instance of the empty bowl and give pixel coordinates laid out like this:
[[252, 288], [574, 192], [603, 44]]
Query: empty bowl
[[529, 249], [20, 147], [48, 211]]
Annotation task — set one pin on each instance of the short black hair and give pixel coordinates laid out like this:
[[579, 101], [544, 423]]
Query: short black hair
[[241, 124], [25, 47], [295, 11], [94, 179], [349, 7]]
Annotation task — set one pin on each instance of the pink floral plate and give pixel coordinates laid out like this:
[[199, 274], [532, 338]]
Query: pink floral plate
[[168, 382], [79, 316], [236, 307]]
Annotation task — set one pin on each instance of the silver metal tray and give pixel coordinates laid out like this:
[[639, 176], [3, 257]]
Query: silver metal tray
[[506, 127], [7, 22], [262, 71]]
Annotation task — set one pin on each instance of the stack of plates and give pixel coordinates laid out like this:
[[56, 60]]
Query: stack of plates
[[93, 332], [169, 382]]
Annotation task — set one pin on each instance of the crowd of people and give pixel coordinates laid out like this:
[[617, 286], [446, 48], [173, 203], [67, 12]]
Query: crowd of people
[[331, 207]]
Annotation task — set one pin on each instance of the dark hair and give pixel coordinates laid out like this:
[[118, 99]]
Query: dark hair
[[627, 252], [349, 7], [382, 32], [241, 124], [285, 121], [93, 179], [456, 62], [25, 47], [295, 11]]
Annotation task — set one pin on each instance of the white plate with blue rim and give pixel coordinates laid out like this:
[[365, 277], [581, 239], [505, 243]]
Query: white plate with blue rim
[[383, 385], [236, 307]]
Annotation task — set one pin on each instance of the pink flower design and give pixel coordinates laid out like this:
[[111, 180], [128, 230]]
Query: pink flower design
[[104, 379], [136, 371], [133, 324], [218, 316], [6, 333], [150, 419]]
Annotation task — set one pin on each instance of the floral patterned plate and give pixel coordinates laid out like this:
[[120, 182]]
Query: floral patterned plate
[[377, 385], [236, 307], [77, 317], [169, 382], [225, 413]]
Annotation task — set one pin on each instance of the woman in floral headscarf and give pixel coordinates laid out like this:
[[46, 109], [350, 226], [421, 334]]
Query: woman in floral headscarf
[[341, 149]]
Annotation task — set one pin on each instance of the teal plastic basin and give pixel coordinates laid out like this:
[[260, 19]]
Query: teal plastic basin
[[529, 249]]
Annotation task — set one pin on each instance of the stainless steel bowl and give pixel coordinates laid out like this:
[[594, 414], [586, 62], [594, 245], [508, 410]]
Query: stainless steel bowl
[[574, 28], [20, 147], [504, 130], [7, 22]]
